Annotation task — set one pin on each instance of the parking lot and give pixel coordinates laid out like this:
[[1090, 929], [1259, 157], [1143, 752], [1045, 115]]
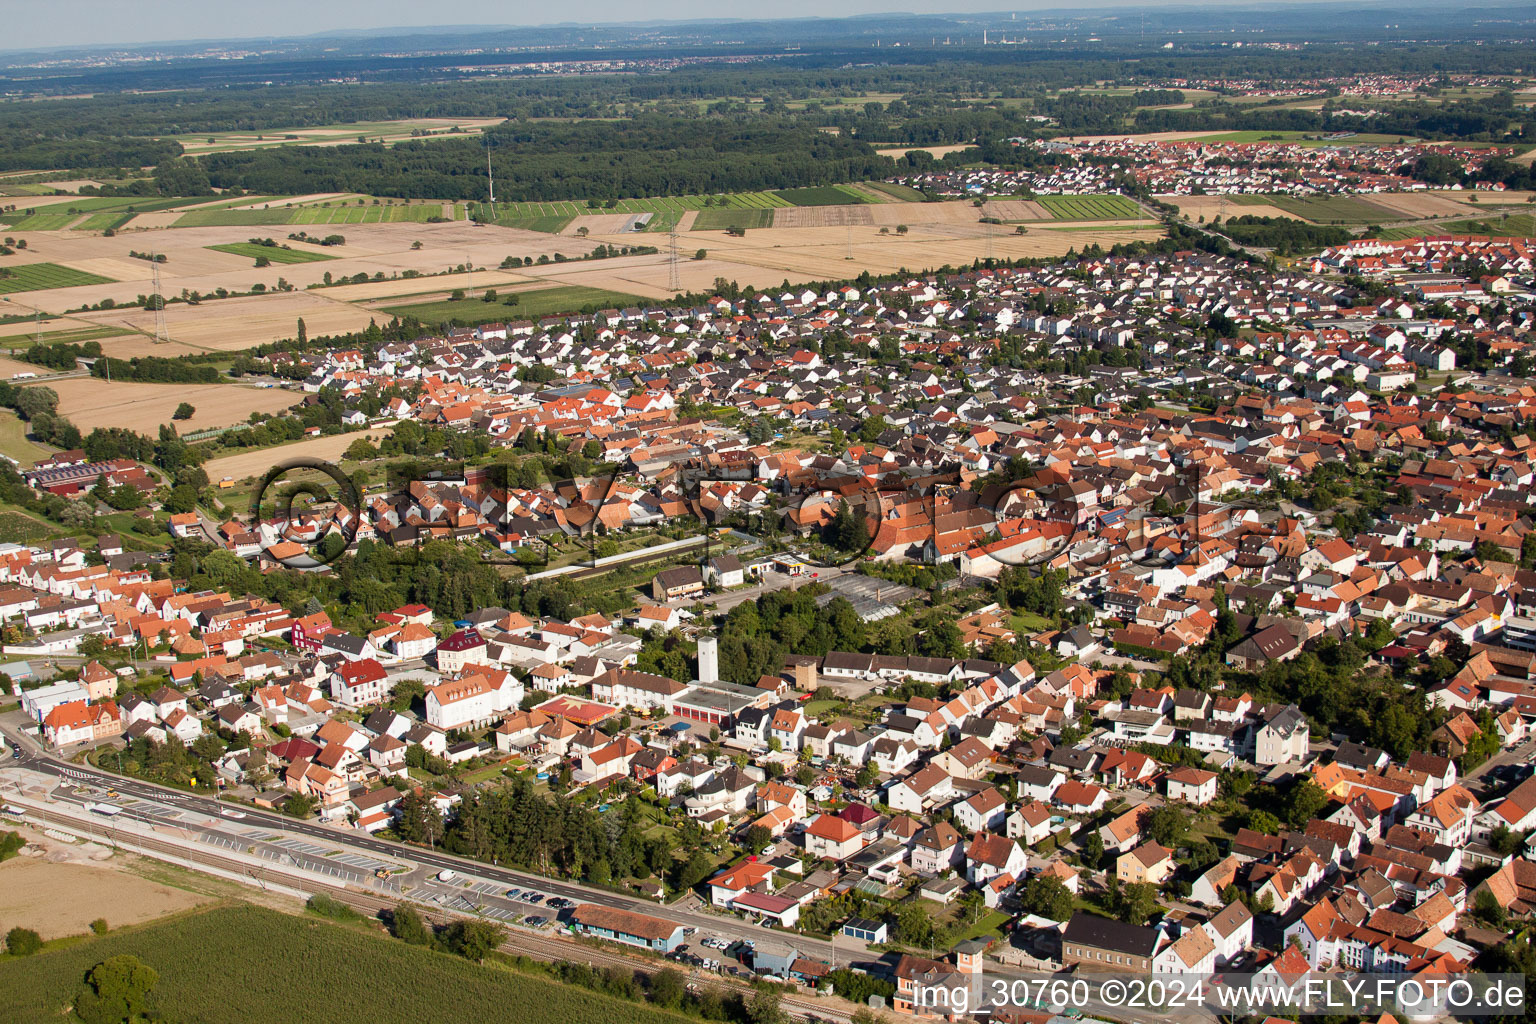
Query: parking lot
[[712, 953]]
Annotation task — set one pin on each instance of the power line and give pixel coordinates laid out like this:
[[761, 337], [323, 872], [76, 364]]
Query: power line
[[674, 274], [490, 177], [159, 300]]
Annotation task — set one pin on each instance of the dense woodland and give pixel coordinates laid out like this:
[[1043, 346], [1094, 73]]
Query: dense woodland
[[651, 155], [738, 126]]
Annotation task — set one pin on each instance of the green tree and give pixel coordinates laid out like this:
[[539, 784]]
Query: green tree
[[765, 1008], [472, 939], [22, 942], [117, 991], [1136, 903], [362, 450], [32, 401], [914, 926], [1093, 850], [1263, 822], [757, 837], [1167, 826], [408, 926], [667, 988], [299, 805], [1047, 897], [406, 693], [184, 411]]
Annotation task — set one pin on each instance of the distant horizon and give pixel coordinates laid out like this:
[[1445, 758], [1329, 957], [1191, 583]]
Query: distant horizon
[[61, 26]]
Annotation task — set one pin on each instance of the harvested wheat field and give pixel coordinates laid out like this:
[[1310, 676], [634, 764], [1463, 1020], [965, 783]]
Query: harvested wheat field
[[1144, 137], [33, 202], [1211, 207], [191, 266], [1015, 209], [59, 898], [90, 402], [822, 253], [609, 224], [227, 325], [246, 465], [10, 367], [822, 216], [1415, 205], [72, 185], [938, 152]]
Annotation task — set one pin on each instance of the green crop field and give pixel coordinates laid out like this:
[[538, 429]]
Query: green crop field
[[665, 211], [301, 970], [104, 221], [1519, 225], [903, 193], [275, 253], [39, 276], [550, 218], [15, 527], [274, 216], [530, 305], [42, 221], [75, 335], [821, 195], [1106, 207], [99, 213], [719, 220], [1325, 209]]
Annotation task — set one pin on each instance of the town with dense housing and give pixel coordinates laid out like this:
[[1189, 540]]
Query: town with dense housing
[[1142, 585], [1157, 612]]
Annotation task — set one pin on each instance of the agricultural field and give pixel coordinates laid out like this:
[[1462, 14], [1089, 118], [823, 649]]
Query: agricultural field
[[387, 132], [309, 971], [19, 528], [76, 334], [1307, 139], [1324, 209], [901, 193], [1107, 207], [15, 444], [33, 277], [720, 220], [530, 304], [822, 195], [937, 152], [665, 211], [61, 898], [96, 213], [91, 402], [547, 225], [1515, 225], [275, 253], [248, 464], [383, 213]]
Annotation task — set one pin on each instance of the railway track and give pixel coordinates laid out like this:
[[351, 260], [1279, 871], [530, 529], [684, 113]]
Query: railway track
[[547, 948]]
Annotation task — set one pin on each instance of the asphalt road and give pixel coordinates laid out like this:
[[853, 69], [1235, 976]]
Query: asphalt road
[[845, 952], [728, 926]]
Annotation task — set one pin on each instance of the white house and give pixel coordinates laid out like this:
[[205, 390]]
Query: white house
[[472, 701]]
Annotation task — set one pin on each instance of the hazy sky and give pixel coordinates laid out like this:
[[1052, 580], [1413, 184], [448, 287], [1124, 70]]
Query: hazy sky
[[63, 23]]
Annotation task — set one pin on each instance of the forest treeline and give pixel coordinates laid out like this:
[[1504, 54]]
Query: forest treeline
[[650, 155], [943, 100]]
